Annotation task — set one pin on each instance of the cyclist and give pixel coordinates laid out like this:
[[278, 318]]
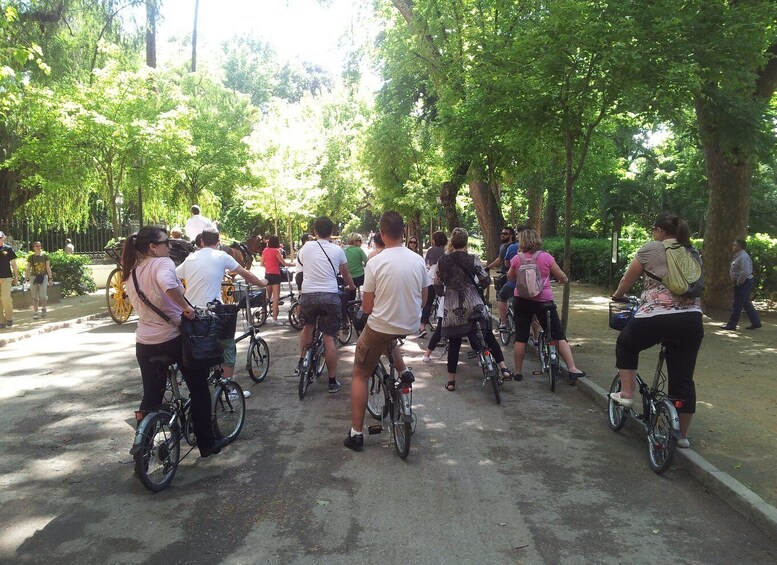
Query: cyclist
[[530, 245], [203, 272], [661, 316], [356, 258], [322, 261], [395, 284], [433, 254], [507, 238], [457, 272], [272, 260], [145, 259]]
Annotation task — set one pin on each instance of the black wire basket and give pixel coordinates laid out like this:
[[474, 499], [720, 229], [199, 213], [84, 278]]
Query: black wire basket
[[621, 314]]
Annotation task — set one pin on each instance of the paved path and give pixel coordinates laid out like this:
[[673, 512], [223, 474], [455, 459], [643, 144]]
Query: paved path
[[539, 479]]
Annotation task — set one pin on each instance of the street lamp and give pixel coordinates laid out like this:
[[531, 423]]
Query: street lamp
[[119, 200]]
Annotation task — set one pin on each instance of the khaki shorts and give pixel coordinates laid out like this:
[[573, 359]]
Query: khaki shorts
[[370, 347], [40, 291], [230, 351]]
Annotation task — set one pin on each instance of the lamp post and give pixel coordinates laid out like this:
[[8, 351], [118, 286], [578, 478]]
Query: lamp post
[[119, 200]]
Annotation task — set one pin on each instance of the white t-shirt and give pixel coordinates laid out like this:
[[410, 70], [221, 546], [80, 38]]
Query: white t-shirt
[[397, 276], [155, 277], [319, 274], [203, 271], [196, 224]]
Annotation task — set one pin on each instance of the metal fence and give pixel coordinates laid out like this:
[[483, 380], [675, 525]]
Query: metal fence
[[88, 241]]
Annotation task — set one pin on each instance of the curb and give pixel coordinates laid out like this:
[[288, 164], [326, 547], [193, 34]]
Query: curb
[[50, 327], [723, 485]]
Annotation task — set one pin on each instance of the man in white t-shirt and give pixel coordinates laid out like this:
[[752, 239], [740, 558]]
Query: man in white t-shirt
[[395, 283], [203, 271], [197, 223], [322, 260]]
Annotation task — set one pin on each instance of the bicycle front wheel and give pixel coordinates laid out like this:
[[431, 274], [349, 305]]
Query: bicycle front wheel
[[228, 407], [506, 334], [662, 441], [345, 333], [616, 414], [295, 317], [376, 402], [157, 459], [258, 360], [401, 428]]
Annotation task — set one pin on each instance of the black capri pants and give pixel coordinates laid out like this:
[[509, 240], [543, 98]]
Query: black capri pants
[[454, 344], [682, 333], [526, 309]]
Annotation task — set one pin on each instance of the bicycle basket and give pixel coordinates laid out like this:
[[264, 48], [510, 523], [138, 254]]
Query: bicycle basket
[[620, 314], [258, 297]]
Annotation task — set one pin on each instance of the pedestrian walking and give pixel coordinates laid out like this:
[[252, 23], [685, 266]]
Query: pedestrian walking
[[741, 275], [9, 276]]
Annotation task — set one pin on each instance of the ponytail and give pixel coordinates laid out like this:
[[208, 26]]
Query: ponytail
[[674, 226], [129, 256], [136, 246]]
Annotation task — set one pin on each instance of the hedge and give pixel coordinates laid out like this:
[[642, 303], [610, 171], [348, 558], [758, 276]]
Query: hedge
[[70, 270], [591, 261]]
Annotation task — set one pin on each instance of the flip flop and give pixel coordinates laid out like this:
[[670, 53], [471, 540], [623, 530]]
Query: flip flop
[[450, 386], [506, 374]]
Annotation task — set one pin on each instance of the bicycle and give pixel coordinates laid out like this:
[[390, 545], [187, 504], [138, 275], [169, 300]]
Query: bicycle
[[265, 307], [659, 416], [156, 449], [484, 354], [258, 356], [314, 358], [390, 396], [548, 349]]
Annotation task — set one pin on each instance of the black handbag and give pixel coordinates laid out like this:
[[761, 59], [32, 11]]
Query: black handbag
[[202, 333]]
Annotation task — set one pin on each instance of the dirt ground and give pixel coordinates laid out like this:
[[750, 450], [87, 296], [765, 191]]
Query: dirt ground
[[735, 426]]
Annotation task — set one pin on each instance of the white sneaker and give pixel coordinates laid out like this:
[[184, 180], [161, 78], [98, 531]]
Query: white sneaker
[[246, 393], [683, 443], [35, 316], [277, 322], [427, 360]]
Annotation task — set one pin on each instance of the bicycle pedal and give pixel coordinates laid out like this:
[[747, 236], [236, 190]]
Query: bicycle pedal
[[375, 429]]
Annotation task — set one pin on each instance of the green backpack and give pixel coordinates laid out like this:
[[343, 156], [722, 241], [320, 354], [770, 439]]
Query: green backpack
[[684, 278]]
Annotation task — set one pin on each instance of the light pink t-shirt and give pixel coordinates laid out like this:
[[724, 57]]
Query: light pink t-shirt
[[155, 277], [545, 262]]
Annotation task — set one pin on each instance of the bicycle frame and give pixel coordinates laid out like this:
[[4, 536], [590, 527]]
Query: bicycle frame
[[395, 393]]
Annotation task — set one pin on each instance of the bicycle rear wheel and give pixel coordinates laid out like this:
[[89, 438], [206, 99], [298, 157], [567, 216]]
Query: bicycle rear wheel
[[376, 402], [228, 407], [258, 359], [157, 459], [553, 367], [616, 414], [307, 372], [320, 360], [662, 441], [401, 428], [433, 320]]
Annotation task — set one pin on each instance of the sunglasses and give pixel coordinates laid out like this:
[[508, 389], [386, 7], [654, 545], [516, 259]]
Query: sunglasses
[[163, 242], [506, 233], [413, 242]]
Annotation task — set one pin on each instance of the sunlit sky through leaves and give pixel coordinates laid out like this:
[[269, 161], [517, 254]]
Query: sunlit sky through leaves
[[308, 30]]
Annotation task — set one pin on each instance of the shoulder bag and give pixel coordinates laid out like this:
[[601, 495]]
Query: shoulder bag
[[202, 332]]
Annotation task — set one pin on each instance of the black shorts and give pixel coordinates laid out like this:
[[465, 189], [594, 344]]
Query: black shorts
[[327, 303], [273, 279], [526, 309]]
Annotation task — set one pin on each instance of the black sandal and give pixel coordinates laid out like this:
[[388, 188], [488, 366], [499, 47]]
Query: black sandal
[[506, 374], [450, 386]]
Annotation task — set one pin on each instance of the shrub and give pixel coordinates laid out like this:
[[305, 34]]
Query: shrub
[[71, 271], [763, 250]]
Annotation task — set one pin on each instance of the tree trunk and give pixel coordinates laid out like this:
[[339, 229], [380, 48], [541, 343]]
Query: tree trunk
[[151, 17], [448, 193], [489, 216], [730, 183], [535, 194], [194, 35], [550, 221]]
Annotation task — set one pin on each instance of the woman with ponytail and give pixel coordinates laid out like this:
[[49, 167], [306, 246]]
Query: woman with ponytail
[[147, 268], [661, 316]]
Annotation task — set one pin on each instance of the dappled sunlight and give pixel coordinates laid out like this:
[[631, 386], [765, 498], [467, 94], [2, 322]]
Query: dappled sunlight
[[707, 405], [14, 535], [486, 463], [14, 387], [46, 470]]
